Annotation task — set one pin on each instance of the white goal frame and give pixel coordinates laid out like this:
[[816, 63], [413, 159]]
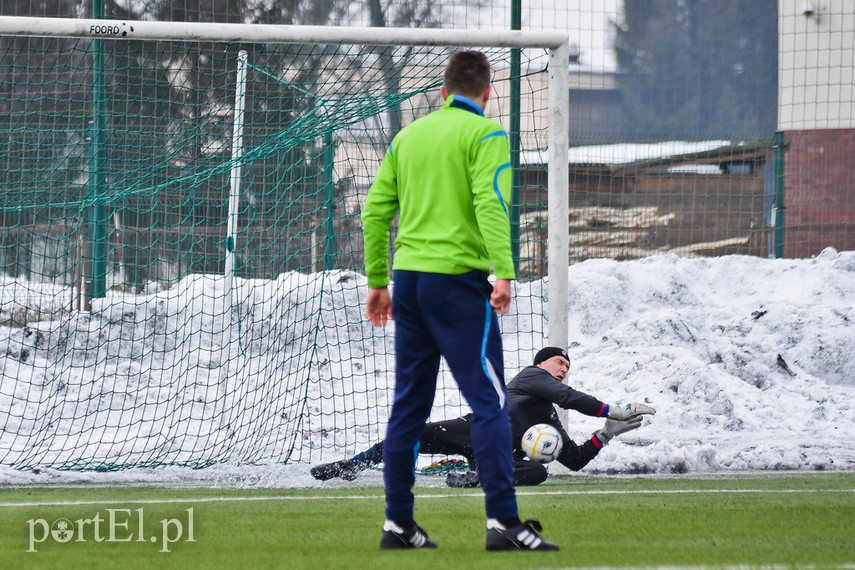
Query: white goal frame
[[557, 44]]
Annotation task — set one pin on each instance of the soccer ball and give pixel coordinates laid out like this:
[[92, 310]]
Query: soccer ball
[[542, 443]]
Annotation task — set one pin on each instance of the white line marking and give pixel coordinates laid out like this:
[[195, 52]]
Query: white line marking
[[166, 501], [845, 565]]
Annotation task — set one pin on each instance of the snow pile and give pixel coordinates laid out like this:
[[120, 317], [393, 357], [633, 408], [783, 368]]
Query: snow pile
[[749, 362]]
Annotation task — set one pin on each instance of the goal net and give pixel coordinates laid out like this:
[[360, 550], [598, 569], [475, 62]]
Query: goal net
[[180, 242]]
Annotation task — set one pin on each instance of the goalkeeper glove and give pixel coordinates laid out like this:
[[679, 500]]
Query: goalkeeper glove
[[613, 428], [623, 412]]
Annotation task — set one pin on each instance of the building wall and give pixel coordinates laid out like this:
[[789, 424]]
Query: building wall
[[816, 65], [819, 191], [816, 112]]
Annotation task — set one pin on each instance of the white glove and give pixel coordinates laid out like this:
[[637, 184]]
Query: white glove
[[615, 427], [623, 412]]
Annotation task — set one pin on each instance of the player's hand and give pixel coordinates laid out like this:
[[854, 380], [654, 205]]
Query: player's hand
[[623, 412], [378, 309], [500, 298], [614, 428]]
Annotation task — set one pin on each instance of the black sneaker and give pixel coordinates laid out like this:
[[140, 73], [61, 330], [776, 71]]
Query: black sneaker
[[520, 537], [326, 471], [396, 538], [464, 479]]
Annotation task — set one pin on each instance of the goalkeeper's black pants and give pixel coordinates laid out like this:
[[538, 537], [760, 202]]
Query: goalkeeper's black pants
[[452, 437]]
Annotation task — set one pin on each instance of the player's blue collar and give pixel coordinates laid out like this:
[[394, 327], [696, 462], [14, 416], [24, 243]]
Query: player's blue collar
[[461, 102]]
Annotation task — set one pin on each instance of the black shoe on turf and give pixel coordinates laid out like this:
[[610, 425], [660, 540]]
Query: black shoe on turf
[[395, 537], [326, 471], [464, 479], [520, 537]]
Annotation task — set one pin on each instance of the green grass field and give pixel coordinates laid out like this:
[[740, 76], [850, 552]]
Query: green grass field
[[774, 520]]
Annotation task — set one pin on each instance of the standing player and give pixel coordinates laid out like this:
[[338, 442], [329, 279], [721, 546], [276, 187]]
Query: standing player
[[447, 176]]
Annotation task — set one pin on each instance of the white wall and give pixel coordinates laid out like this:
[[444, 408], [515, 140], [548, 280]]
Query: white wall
[[816, 65]]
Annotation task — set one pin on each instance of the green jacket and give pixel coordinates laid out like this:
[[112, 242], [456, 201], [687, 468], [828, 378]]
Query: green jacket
[[449, 175]]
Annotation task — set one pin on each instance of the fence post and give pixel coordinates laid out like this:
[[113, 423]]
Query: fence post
[[97, 276], [328, 168], [235, 173], [778, 208], [514, 137]]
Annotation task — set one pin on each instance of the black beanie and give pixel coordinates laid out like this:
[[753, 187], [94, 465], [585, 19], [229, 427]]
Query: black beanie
[[549, 352]]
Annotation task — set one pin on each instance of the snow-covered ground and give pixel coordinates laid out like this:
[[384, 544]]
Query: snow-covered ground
[[750, 363]]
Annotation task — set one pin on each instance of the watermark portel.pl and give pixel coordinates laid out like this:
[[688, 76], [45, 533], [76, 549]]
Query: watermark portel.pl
[[115, 525]]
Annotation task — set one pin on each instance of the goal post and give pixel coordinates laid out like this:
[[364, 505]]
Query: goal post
[[220, 336]]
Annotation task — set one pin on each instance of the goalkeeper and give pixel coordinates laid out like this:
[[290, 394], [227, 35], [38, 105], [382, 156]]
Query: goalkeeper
[[536, 390], [531, 395]]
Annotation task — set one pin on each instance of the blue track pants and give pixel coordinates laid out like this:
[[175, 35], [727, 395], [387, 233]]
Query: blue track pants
[[447, 315]]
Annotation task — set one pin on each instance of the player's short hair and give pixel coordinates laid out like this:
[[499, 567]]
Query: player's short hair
[[467, 73]]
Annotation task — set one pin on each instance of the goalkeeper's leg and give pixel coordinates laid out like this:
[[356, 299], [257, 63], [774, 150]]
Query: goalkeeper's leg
[[448, 437], [528, 473], [348, 469]]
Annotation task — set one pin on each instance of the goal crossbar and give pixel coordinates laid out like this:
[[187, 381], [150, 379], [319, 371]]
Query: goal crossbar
[[128, 29]]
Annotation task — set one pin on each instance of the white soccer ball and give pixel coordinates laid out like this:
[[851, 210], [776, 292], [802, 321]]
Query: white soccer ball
[[542, 443]]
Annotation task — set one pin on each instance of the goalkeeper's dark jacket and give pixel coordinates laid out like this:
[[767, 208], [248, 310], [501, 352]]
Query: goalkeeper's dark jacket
[[531, 395]]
